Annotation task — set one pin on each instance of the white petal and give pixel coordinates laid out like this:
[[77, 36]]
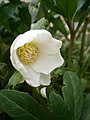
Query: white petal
[[43, 92], [44, 40], [33, 83], [45, 79], [14, 43], [46, 43], [31, 35], [15, 61], [29, 75], [46, 63], [24, 38], [35, 77], [19, 41]]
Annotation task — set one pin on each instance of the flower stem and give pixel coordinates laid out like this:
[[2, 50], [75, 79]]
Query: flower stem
[[71, 44], [37, 95]]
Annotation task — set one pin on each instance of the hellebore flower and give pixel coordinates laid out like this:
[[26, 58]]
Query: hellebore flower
[[35, 54]]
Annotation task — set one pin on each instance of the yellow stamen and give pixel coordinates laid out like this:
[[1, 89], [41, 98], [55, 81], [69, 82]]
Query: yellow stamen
[[28, 52]]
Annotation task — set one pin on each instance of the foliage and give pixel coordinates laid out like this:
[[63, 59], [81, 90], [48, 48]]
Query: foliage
[[68, 96]]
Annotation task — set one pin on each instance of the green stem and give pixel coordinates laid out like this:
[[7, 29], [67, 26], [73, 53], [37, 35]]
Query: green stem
[[37, 95], [70, 50], [71, 44]]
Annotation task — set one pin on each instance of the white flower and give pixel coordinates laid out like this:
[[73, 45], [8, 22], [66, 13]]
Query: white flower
[[35, 54], [43, 92]]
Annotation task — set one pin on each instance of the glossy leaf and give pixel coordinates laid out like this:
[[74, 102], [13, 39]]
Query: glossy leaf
[[67, 8], [58, 107], [73, 94], [21, 106]]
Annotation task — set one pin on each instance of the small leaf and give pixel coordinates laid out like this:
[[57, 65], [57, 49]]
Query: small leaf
[[15, 79], [21, 106], [39, 24], [73, 94], [86, 109], [59, 109]]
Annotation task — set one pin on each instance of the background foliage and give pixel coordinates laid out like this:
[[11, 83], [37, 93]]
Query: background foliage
[[68, 96]]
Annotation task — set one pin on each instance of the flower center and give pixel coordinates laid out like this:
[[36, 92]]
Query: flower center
[[27, 53]]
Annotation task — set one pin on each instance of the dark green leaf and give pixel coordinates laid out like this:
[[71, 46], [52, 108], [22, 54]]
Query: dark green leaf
[[3, 16], [73, 94], [21, 106], [14, 23], [25, 15], [58, 23], [82, 13], [67, 8], [86, 109], [50, 4], [8, 11], [14, 110], [82, 16], [59, 109]]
